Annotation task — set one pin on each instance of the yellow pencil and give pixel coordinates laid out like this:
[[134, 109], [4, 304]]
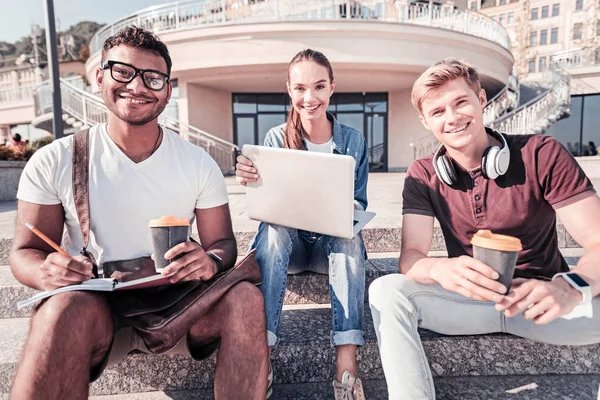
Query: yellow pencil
[[46, 239]]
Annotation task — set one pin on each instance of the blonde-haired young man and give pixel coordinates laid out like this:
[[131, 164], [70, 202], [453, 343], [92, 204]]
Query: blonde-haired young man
[[481, 179]]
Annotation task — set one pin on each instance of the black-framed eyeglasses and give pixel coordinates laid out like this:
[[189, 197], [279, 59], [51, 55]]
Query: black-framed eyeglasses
[[125, 73]]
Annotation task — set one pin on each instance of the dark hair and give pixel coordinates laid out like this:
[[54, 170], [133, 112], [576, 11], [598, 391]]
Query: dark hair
[[138, 38], [292, 139], [17, 137]]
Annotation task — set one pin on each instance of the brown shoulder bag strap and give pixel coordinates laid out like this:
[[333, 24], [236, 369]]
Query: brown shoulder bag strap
[[81, 166]]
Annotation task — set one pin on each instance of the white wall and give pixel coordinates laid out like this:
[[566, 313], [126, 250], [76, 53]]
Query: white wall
[[403, 128], [209, 110]]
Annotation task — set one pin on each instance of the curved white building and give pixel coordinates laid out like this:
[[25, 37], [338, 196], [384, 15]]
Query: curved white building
[[230, 60]]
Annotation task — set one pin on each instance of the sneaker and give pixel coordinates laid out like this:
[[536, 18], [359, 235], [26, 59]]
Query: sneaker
[[350, 388], [270, 381]]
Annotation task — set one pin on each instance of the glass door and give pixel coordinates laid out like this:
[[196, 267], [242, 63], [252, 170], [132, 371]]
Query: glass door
[[245, 130], [375, 134]]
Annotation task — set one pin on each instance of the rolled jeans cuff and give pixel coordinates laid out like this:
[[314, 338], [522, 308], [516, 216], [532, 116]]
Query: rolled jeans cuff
[[272, 339], [353, 336]]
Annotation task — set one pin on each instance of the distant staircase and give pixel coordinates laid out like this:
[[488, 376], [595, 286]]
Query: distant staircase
[[82, 109]]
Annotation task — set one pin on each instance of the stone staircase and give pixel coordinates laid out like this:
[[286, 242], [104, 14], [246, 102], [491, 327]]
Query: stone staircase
[[464, 367]]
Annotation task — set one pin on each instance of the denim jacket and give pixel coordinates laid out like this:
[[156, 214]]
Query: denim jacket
[[346, 141]]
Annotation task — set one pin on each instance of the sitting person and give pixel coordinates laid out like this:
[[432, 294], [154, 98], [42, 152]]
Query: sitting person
[[482, 179], [138, 171], [281, 250], [17, 141]]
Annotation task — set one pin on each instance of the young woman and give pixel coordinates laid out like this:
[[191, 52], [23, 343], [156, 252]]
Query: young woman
[[281, 250]]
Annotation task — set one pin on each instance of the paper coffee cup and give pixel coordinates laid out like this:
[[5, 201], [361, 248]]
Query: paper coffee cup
[[167, 232], [500, 252]]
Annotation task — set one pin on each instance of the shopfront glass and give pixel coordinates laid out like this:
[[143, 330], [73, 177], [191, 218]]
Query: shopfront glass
[[255, 114]]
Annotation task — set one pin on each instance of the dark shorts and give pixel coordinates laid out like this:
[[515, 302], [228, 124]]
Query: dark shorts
[[127, 340]]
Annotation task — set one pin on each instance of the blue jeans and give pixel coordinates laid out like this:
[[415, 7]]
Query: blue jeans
[[281, 250]]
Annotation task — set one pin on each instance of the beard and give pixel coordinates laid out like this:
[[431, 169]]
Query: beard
[[136, 118]]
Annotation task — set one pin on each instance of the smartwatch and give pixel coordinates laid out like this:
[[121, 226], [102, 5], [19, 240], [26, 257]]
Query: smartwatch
[[583, 309], [218, 261]]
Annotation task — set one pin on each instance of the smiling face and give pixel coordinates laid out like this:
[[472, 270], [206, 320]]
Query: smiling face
[[310, 88], [454, 113], [133, 102]]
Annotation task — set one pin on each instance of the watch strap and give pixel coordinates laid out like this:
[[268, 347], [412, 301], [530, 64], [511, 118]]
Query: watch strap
[[584, 308]]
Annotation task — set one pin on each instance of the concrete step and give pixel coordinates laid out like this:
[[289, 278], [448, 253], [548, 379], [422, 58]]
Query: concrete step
[[306, 356], [564, 387], [304, 288], [377, 240]]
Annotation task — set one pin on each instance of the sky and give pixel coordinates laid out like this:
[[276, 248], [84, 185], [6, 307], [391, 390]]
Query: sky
[[19, 15]]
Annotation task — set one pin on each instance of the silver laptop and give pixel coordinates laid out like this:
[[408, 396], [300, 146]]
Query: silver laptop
[[304, 190]]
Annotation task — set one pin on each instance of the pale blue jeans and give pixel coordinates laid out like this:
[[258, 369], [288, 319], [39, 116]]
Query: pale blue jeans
[[400, 305], [281, 250]]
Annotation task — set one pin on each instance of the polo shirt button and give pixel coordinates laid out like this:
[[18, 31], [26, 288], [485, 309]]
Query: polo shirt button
[[478, 210], [475, 184], [477, 197]]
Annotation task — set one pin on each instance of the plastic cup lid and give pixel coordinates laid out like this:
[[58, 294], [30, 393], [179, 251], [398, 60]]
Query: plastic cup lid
[[168, 220], [486, 239]]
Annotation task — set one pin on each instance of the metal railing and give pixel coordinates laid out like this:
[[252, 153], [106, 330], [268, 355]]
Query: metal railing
[[424, 145], [507, 99], [90, 110], [200, 13], [539, 113], [17, 94]]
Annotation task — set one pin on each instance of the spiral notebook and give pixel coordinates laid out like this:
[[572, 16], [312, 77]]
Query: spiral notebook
[[101, 285]]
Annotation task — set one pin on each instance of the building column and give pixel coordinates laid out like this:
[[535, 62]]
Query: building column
[[4, 134], [207, 109]]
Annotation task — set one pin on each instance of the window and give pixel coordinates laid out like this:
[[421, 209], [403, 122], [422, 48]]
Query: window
[[554, 36], [255, 113], [597, 56], [510, 18], [577, 31], [474, 5], [545, 10], [542, 62], [578, 5], [501, 19], [532, 65], [502, 2], [598, 27], [534, 14], [543, 37], [555, 9], [533, 39]]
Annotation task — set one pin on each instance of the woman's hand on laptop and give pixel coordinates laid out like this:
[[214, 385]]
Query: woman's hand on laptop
[[244, 171]]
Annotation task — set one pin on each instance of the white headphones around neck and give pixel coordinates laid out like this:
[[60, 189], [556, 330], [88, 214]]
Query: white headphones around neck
[[494, 162]]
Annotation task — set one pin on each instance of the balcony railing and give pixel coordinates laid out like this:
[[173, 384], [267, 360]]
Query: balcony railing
[[90, 110], [200, 13], [22, 93], [575, 58]]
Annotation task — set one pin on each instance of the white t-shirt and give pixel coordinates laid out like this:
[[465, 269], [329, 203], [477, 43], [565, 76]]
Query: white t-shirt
[[326, 147], [124, 196]]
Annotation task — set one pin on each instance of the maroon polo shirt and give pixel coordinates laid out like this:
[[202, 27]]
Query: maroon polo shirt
[[542, 177]]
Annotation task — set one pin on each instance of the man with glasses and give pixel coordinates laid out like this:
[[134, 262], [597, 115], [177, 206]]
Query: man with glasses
[[138, 171]]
